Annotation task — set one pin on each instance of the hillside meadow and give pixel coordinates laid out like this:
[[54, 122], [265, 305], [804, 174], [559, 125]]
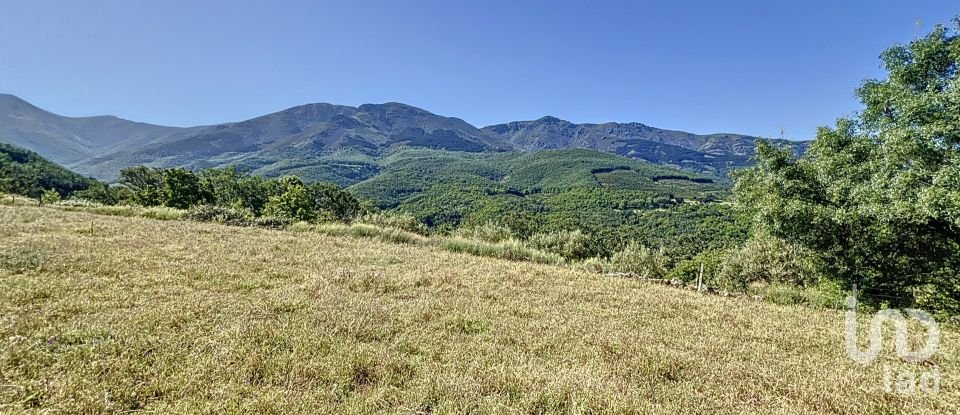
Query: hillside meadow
[[110, 314]]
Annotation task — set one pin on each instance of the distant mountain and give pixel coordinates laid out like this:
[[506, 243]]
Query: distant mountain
[[713, 152], [68, 140], [303, 138]]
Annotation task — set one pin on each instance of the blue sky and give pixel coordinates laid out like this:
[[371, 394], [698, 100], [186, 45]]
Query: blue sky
[[750, 67]]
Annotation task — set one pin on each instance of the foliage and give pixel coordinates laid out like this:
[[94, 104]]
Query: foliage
[[220, 214], [182, 189], [50, 196], [315, 202], [508, 249], [709, 262], [878, 196], [23, 172], [639, 260], [572, 245], [766, 259]]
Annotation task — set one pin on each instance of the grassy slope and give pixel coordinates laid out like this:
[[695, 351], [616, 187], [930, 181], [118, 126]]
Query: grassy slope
[[105, 314]]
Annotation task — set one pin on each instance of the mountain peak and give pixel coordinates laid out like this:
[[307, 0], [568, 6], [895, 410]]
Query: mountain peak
[[9, 102], [549, 119]]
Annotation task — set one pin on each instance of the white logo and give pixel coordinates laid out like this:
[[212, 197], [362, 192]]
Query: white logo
[[905, 380]]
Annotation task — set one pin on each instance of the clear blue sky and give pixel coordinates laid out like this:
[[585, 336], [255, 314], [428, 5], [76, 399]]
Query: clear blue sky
[[703, 66]]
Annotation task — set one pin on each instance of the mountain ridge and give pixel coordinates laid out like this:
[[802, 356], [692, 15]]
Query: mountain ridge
[[101, 145]]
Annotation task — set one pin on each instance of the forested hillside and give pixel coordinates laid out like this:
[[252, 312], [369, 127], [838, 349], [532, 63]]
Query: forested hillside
[[24, 172]]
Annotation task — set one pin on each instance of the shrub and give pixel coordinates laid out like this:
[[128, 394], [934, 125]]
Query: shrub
[[77, 203], [370, 231], [487, 232], [50, 196], [511, 249], [640, 260], [594, 264], [572, 245], [161, 213], [689, 270], [403, 221], [272, 222], [220, 214], [766, 259]]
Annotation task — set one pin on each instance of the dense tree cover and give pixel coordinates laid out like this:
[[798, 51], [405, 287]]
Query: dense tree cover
[[877, 198], [23, 172], [287, 197]]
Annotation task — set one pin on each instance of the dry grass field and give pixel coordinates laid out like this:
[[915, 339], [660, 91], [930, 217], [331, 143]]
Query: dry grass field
[[107, 314]]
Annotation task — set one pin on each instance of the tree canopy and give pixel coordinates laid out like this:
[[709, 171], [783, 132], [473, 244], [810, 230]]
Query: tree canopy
[[877, 197]]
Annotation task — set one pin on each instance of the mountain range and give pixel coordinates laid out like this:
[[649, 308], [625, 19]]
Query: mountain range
[[306, 136]]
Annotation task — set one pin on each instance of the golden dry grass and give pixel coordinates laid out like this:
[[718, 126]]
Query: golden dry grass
[[106, 314]]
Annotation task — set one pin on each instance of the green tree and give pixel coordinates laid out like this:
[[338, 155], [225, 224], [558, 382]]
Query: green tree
[[339, 203], [878, 196], [144, 184], [49, 196], [295, 201], [182, 189]]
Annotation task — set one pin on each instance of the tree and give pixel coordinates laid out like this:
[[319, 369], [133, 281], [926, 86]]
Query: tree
[[341, 204], [144, 184], [181, 189], [49, 196], [295, 201], [878, 196]]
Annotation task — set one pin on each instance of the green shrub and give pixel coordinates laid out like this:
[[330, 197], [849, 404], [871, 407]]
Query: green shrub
[[824, 294], [220, 214], [640, 260], [161, 213], [689, 270], [510, 249], [272, 222], [370, 231], [594, 264], [50, 196], [766, 259], [573, 245]]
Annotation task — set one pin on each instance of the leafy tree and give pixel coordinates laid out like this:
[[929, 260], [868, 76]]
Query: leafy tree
[[144, 184], [100, 193], [295, 201], [878, 196], [182, 189], [49, 196], [339, 203]]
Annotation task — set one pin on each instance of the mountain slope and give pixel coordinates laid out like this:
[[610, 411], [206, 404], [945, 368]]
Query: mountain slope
[[300, 133], [68, 140], [303, 139], [714, 152]]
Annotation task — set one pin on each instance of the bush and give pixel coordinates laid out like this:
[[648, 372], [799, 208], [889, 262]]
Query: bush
[[360, 230], [573, 245], [272, 222], [77, 203], [766, 259], [487, 232], [511, 249], [155, 212], [403, 221], [50, 196], [220, 214], [689, 270], [640, 260]]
